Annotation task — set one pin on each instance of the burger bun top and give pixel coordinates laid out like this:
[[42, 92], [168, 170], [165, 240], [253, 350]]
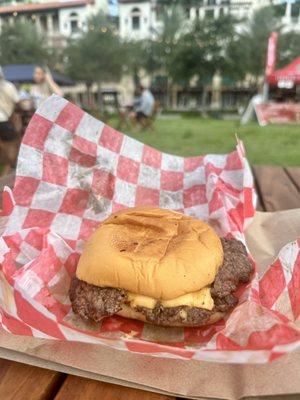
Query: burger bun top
[[153, 252]]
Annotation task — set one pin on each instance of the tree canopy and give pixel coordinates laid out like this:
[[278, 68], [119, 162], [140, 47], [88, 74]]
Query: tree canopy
[[288, 47], [21, 43], [250, 49], [153, 55], [247, 52], [203, 50], [183, 49], [98, 55], [179, 49]]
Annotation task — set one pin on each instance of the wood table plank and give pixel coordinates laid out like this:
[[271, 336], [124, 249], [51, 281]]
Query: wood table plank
[[294, 174], [277, 190], [77, 388], [25, 382]]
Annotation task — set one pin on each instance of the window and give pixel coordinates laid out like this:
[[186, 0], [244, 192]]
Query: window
[[74, 22], [43, 22], [136, 18], [158, 13], [135, 22], [187, 12], [211, 2], [55, 23], [209, 13]]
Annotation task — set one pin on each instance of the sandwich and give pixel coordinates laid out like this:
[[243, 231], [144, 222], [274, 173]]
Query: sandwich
[[158, 266]]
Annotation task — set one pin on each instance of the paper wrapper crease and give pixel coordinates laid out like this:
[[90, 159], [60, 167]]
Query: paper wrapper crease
[[73, 171]]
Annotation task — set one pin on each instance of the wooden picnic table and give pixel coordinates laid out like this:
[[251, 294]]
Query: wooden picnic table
[[278, 189]]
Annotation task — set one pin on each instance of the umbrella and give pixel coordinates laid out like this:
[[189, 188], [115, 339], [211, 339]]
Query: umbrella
[[288, 74], [23, 73]]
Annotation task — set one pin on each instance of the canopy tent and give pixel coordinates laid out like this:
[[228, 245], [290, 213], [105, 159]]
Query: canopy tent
[[23, 73], [287, 76]]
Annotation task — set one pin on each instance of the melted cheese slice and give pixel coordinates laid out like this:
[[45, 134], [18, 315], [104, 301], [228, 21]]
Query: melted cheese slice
[[200, 299]]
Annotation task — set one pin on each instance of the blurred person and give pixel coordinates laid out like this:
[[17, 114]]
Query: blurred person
[[23, 92], [26, 107], [44, 87], [9, 100], [26, 103], [143, 107], [137, 99]]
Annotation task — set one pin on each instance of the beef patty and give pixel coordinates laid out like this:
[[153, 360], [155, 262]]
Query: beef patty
[[93, 302]]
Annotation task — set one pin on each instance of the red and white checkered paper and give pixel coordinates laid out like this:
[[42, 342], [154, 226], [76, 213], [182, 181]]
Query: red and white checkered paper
[[73, 171]]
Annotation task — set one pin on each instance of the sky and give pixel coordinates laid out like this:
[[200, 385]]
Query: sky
[[113, 7]]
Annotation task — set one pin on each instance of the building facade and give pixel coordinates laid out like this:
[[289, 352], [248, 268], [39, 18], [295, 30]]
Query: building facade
[[140, 19], [57, 20]]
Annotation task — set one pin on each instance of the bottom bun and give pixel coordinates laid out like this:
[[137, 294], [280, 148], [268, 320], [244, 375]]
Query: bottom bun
[[128, 312]]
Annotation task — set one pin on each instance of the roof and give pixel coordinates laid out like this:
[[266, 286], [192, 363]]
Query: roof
[[30, 7], [23, 73], [132, 1], [289, 73]]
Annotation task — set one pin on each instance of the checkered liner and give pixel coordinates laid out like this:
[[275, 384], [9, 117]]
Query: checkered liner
[[73, 171]]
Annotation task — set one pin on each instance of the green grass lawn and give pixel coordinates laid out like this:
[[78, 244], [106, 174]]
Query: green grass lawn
[[187, 136]]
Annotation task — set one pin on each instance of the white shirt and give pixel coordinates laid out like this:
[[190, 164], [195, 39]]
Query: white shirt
[[39, 93], [147, 102], [8, 99]]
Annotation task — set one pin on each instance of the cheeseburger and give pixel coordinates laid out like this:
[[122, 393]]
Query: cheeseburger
[[158, 266]]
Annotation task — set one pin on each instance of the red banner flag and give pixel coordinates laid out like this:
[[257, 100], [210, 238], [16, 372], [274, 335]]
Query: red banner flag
[[271, 54]]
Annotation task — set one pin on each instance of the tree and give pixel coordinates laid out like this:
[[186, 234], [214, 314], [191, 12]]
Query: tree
[[248, 51], [153, 55], [288, 48], [21, 43], [203, 50], [98, 55]]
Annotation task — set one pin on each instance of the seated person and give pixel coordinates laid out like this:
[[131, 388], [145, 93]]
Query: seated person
[[143, 108]]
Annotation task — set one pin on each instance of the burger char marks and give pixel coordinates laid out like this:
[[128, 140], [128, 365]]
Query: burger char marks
[[93, 302]]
